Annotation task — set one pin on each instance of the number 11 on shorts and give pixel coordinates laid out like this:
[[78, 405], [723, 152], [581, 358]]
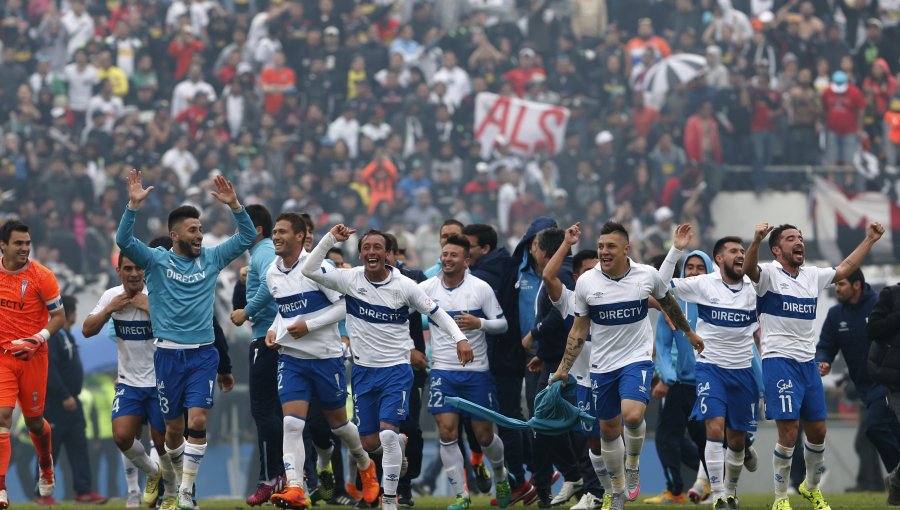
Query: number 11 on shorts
[[787, 403]]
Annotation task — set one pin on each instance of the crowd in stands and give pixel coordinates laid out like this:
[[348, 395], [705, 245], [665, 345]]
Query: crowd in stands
[[361, 111]]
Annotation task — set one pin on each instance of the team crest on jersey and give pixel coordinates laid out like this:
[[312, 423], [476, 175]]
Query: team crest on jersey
[[785, 386], [34, 397], [24, 288]]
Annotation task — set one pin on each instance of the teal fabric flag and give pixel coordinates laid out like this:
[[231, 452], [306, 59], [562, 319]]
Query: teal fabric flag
[[553, 414]]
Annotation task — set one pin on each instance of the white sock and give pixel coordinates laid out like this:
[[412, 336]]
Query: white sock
[[452, 460], [715, 463], [734, 463], [139, 458], [154, 455], [176, 455], [600, 469], [634, 443], [391, 458], [193, 456], [702, 477], [323, 457], [781, 462], [494, 452], [349, 434], [131, 475], [294, 451], [814, 455], [613, 452], [170, 481]]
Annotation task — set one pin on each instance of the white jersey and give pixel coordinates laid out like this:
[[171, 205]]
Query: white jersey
[[300, 299], [726, 318], [135, 339], [787, 309], [472, 296], [581, 367], [378, 314], [621, 332]]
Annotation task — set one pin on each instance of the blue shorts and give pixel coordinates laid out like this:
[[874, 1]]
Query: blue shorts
[[476, 387], [631, 382], [380, 395], [728, 393], [304, 379], [135, 401], [185, 378], [584, 396], [793, 390]]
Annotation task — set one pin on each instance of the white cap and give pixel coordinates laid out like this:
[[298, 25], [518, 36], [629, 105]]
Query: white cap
[[244, 67], [482, 167], [662, 214], [560, 193], [603, 137], [193, 190]]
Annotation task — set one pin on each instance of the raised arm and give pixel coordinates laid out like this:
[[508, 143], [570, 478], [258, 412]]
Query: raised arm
[[551, 270], [312, 268], [680, 240], [676, 314], [850, 264], [751, 258], [132, 247], [246, 234]]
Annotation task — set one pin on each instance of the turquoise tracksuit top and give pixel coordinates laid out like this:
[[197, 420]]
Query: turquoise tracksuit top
[[182, 290], [260, 306]]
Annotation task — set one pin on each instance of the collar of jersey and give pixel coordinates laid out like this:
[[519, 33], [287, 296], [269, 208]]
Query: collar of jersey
[[284, 270], [382, 283], [727, 286], [451, 289], [17, 271], [608, 277], [783, 270]]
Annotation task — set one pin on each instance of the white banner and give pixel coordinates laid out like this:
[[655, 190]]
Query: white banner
[[526, 126], [837, 214]]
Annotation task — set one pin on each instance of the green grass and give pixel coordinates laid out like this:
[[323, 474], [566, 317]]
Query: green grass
[[854, 501]]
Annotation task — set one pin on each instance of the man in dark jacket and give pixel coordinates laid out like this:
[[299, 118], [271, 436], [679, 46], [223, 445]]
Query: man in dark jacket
[[65, 376], [844, 331], [883, 329], [550, 334], [507, 357]]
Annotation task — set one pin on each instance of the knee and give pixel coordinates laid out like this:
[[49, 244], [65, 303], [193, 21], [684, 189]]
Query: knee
[[633, 417], [737, 440], [484, 436], [815, 432], [370, 443], [715, 431], [35, 425], [197, 422], [388, 437], [448, 434], [787, 437], [123, 441], [610, 429]]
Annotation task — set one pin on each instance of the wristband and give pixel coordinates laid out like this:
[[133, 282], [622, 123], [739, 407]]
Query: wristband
[[44, 333]]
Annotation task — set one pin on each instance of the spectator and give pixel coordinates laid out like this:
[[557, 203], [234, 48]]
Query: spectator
[[844, 106], [454, 78], [701, 137], [804, 111], [275, 80], [522, 74], [767, 107], [646, 40]]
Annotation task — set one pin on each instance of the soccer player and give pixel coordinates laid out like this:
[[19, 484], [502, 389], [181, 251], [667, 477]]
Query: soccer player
[[29, 300], [378, 299], [787, 294], [264, 403], [136, 398], [472, 304], [564, 301], [727, 395], [181, 286], [611, 303], [311, 361]]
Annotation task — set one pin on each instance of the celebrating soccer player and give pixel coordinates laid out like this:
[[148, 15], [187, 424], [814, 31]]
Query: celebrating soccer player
[[29, 299], [611, 304], [787, 297], [136, 399], [181, 284], [378, 300]]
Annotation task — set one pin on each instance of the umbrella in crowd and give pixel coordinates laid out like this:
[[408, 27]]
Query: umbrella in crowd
[[673, 71]]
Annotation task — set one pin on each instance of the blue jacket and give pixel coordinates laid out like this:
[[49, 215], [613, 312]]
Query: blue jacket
[[260, 307], [675, 357], [844, 331], [182, 290]]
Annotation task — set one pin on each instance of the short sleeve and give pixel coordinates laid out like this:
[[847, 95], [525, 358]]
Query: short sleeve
[[765, 279], [331, 294], [103, 302], [49, 289], [825, 276], [566, 300], [659, 287], [688, 289], [581, 293]]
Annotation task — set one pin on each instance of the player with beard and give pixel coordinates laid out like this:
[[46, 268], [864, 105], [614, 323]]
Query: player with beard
[[378, 300], [727, 394], [29, 299], [611, 303], [136, 398], [181, 283], [472, 304], [787, 294]]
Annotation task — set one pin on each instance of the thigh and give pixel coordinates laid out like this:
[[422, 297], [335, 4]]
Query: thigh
[[9, 381], [329, 382], [366, 402], [291, 382], [783, 389], [606, 402], [33, 384], [740, 387], [812, 407], [152, 411], [585, 403], [712, 394], [200, 387], [170, 381], [634, 382], [395, 394], [263, 369]]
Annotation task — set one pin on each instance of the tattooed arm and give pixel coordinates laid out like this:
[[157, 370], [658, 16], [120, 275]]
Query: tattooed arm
[[676, 314], [577, 336]]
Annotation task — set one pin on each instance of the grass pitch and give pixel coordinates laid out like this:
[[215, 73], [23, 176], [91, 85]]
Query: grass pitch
[[848, 501]]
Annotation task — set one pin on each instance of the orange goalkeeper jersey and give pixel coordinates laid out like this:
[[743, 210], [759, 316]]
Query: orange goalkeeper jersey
[[27, 297]]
